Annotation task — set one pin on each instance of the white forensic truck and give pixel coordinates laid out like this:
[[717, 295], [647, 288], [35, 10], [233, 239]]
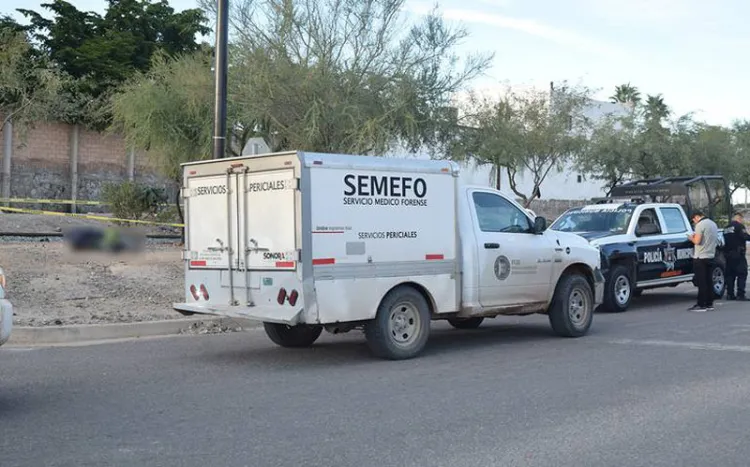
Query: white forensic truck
[[307, 241]]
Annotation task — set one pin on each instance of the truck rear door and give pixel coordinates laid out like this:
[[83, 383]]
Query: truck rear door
[[246, 217], [269, 215], [207, 211]]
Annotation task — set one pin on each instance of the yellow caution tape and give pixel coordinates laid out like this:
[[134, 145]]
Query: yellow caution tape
[[50, 201], [61, 201], [87, 216]]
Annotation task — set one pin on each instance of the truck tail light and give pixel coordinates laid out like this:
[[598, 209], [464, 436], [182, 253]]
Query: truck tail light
[[194, 292], [204, 292], [293, 297], [281, 297]]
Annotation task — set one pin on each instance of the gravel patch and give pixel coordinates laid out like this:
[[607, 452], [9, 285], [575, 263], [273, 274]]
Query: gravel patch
[[48, 285]]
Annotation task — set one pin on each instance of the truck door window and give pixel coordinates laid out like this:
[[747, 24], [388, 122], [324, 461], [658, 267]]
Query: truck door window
[[496, 214], [674, 220], [648, 223]]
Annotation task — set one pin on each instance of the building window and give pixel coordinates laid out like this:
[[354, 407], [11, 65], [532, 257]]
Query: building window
[[580, 178]]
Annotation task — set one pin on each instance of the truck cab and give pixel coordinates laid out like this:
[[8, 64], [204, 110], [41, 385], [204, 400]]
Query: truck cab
[[306, 242]]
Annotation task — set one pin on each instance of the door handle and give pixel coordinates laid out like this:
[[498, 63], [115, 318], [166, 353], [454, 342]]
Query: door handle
[[491, 246]]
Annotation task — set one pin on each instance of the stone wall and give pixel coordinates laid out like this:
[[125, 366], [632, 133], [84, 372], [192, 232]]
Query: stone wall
[[42, 162]]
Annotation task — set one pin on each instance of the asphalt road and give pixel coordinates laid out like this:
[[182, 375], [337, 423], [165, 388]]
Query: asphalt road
[[655, 386]]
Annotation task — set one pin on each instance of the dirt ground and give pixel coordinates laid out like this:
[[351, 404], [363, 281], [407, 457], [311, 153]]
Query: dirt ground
[[49, 285]]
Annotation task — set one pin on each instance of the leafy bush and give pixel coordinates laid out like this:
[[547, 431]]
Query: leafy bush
[[130, 200]]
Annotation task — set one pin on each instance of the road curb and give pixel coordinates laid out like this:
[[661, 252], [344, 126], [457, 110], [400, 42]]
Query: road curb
[[51, 335]]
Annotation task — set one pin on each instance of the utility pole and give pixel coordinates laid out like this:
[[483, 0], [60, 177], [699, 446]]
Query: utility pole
[[220, 73]]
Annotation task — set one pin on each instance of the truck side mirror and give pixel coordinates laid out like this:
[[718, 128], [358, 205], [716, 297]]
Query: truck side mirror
[[540, 224]]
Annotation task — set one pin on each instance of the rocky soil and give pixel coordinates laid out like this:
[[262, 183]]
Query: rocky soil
[[49, 285]]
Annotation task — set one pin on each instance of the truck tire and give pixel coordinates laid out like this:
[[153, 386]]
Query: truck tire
[[401, 326], [618, 291], [465, 323], [301, 335], [718, 280], [572, 308]]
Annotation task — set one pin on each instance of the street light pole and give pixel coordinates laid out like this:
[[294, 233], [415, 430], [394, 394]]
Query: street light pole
[[220, 73]]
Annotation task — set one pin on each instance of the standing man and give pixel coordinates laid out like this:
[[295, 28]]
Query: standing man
[[736, 238], [705, 239]]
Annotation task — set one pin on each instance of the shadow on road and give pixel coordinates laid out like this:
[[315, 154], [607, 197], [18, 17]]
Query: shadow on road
[[351, 348], [654, 301], [17, 404]]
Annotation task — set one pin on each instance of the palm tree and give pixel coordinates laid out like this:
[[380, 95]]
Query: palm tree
[[655, 109], [626, 94]]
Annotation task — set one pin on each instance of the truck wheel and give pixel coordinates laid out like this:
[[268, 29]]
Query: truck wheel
[[718, 280], [402, 325], [301, 335], [465, 323], [619, 290], [572, 309]]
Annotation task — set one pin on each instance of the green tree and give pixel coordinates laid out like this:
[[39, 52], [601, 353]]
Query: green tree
[[613, 150], [526, 133], [28, 85], [626, 94], [101, 52], [332, 76], [345, 75], [168, 110], [741, 137]]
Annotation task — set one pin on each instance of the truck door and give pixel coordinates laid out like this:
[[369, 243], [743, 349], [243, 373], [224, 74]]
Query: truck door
[[679, 254], [650, 244], [515, 264], [269, 220], [212, 231]]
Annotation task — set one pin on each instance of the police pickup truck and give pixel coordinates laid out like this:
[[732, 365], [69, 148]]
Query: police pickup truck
[[306, 242], [645, 245]]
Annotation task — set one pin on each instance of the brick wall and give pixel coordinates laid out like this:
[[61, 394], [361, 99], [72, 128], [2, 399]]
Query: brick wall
[[41, 164]]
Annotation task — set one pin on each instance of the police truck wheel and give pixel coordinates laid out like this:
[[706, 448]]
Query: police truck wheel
[[465, 323], [572, 309], [718, 280], [618, 291], [402, 325], [301, 335]]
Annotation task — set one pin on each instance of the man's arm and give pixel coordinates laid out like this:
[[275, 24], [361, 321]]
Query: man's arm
[[697, 237]]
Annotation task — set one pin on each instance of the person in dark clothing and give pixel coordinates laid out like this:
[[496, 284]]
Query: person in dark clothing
[[735, 239]]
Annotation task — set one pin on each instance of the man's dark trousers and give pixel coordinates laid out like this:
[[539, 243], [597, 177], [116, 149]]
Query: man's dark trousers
[[736, 272], [702, 271]]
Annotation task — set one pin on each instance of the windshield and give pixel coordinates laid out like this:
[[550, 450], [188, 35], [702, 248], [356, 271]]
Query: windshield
[[595, 219]]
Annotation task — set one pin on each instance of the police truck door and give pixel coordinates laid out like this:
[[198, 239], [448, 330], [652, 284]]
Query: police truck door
[[679, 254], [650, 244]]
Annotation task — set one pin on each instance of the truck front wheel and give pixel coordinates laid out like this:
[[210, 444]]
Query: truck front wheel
[[301, 335], [572, 308], [401, 326]]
